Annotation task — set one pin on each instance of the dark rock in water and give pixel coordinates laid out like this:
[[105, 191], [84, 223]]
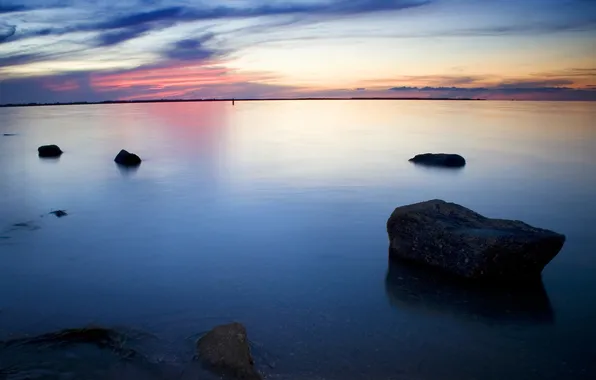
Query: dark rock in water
[[59, 213], [10, 134], [225, 350], [49, 151], [127, 159], [31, 226], [439, 159], [98, 336], [428, 291], [463, 242]]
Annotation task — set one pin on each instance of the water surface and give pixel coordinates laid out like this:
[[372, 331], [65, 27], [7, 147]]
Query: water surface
[[273, 214]]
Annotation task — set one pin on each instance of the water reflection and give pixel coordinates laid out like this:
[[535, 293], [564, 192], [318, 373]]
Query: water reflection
[[127, 171], [53, 160], [414, 287], [444, 169]]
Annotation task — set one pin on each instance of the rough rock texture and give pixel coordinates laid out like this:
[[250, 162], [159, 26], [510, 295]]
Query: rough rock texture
[[225, 350], [49, 151], [127, 159], [439, 159], [463, 242]]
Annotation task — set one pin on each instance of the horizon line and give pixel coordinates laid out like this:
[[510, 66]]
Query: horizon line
[[35, 104]]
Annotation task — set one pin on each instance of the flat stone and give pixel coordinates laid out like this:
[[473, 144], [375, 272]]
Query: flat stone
[[439, 159], [460, 241]]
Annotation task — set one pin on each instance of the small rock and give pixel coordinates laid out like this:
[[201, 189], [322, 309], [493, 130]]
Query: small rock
[[59, 213], [31, 226], [49, 151], [10, 134], [127, 159], [225, 349], [439, 159], [460, 241]]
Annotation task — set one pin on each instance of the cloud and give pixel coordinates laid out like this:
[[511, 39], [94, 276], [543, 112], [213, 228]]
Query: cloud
[[183, 81], [571, 73], [47, 89], [533, 84], [17, 59], [7, 31], [415, 81], [143, 18], [119, 36], [192, 49], [530, 28], [501, 92], [165, 81], [130, 24], [178, 63], [10, 8]]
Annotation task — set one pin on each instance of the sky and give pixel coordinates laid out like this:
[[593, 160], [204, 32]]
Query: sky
[[81, 50]]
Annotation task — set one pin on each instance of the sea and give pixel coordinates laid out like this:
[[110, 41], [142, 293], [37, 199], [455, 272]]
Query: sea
[[273, 214]]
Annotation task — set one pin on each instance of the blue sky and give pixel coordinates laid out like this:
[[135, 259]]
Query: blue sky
[[73, 50]]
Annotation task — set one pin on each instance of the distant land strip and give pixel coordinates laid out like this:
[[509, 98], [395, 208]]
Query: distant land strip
[[215, 100]]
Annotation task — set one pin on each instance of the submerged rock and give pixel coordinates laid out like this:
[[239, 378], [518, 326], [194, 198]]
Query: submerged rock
[[49, 151], [225, 349], [439, 159], [97, 336], [463, 242], [31, 226], [127, 159]]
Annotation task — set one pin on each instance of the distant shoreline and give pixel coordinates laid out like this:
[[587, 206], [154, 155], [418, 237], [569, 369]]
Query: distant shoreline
[[214, 100]]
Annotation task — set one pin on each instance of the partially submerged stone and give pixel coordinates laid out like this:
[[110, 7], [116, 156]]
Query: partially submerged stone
[[225, 349], [59, 213], [439, 159], [460, 241], [98, 336], [49, 151], [126, 158]]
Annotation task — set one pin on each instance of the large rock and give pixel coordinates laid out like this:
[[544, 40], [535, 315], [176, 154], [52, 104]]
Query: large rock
[[225, 350], [49, 151], [463, 242], [127, 159], [439, 159]]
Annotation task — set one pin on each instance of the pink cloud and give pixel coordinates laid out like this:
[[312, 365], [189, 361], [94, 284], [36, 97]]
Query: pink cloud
[[182, 77], [64, 85]]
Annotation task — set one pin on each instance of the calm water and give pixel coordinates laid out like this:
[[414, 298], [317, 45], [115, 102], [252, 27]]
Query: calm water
[[273, 214]]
